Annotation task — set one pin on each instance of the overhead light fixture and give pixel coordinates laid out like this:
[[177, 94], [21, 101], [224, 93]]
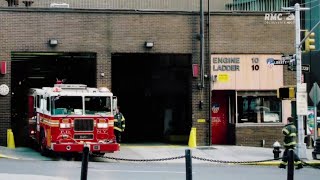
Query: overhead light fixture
[[148, 44], [53, 42]]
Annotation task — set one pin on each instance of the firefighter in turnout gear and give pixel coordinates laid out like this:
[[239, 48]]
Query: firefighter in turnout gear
[[290, 133], [119, 124]]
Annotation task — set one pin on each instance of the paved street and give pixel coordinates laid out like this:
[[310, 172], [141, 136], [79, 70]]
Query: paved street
[[71, 170], [133, 162], [159, 151]]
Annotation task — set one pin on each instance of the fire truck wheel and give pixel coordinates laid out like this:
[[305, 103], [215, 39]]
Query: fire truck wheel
[[43, 148]]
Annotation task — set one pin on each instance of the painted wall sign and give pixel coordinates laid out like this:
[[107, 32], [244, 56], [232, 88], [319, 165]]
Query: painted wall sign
[[246, 72], [201, 120], [226, 68], [226, 64], [223, 77]]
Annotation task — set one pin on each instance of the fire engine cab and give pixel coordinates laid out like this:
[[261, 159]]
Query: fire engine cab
[[67, 117]]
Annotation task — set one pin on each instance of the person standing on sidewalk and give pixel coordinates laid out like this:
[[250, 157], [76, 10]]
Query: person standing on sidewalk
[[290, 133], [119, 124]]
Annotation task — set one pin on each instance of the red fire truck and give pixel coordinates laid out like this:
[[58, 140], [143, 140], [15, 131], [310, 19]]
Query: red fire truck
[[67, 117]]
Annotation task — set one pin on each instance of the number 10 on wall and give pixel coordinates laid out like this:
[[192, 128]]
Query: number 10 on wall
[[255, 66]]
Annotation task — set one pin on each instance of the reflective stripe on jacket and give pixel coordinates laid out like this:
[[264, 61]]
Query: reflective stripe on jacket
[[290, 132], [119, 122]]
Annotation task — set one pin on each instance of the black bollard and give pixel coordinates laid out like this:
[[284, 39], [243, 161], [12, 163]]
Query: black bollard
[[188, 165], [290, 165], [84, 166]]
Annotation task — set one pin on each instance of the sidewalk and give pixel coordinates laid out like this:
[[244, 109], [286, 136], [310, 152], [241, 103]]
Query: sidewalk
[[218, 153], [22, 153], [164, 153]]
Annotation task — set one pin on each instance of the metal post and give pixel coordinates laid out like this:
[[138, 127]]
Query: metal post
[[290, 174], [84, 166], [301, 146], [188, 165], [315, 126], [209, 89]]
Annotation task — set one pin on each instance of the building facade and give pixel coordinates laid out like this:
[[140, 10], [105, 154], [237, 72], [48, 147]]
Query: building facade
[[111, 43]]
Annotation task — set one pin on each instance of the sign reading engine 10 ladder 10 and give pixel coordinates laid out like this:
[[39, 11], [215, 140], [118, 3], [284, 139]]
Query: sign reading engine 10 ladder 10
[[246, 72]]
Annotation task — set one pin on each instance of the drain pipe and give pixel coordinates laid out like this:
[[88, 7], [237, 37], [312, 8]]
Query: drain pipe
[[201, 45], [208, 36], [210, 80]]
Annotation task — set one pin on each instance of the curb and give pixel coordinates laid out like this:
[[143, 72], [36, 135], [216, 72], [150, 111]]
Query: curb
[[277, 163]]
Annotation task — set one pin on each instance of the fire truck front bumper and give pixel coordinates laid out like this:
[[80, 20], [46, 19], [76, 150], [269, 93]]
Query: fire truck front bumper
[[93, 147]]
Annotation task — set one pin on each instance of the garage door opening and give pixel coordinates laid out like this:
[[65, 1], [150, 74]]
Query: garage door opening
[[154, 94], [39, 69]]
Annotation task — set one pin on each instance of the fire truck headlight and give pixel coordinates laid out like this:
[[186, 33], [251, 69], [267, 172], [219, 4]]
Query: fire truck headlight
[[65, 125], [102, 125]]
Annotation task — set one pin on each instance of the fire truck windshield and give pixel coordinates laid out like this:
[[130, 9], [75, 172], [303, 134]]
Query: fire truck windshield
[[97, 105], [66, 105]]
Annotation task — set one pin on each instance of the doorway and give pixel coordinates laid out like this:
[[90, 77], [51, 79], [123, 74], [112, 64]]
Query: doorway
[[42, 69], [154, 94], [223, 117]]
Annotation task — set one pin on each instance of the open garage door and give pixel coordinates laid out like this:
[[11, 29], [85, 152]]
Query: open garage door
[[39, 69], [154, 92]]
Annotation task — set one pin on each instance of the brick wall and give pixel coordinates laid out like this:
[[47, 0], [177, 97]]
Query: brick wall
[[244, 33], [254, 135], [96, 31], [289, 77], [107, 32], [248, 34]]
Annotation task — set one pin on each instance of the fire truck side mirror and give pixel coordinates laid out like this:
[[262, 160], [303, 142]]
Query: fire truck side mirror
[[114, 104]]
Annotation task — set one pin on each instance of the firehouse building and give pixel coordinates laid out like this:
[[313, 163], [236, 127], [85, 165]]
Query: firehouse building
[[151, 61]]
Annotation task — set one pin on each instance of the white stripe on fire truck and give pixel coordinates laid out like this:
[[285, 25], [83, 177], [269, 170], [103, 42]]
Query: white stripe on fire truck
[[54, 123], [32, 120], [111, 123]]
